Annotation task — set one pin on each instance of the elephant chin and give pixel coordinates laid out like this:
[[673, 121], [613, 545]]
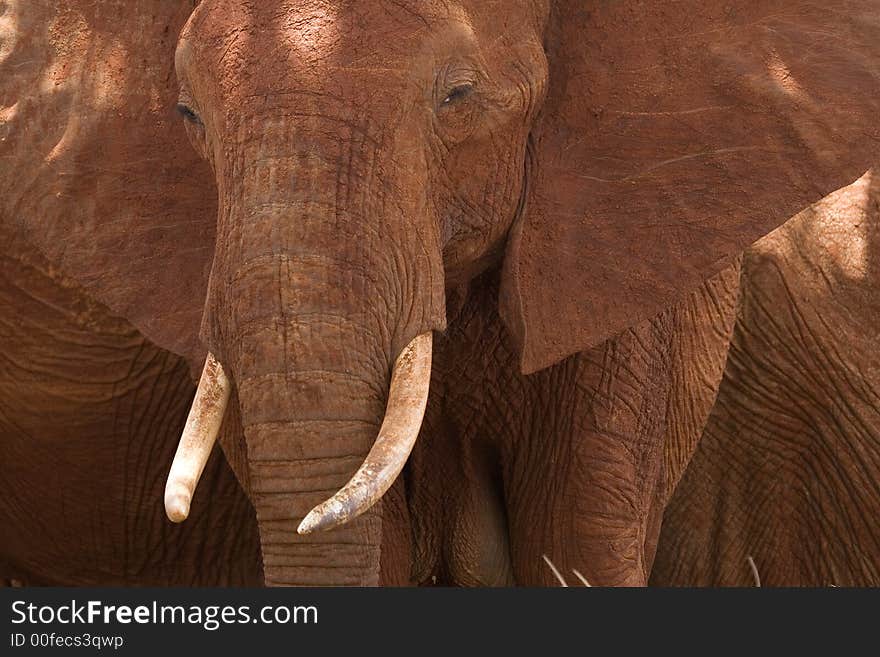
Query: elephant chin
[[407, 399]]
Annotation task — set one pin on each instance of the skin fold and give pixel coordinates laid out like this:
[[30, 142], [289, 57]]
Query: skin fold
[[786, 471], [556, 191], [90, 413]]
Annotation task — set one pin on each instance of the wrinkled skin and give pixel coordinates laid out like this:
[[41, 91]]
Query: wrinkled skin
[[90, 413], [788, 471], [90, 410], [540, 201], [576, 462], [458, 474]]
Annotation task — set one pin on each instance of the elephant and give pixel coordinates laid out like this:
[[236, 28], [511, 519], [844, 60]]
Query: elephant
[[456, 277], [788, 471]]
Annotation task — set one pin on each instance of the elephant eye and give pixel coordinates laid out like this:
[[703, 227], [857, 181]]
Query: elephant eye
[[188, 113], [457, 93]]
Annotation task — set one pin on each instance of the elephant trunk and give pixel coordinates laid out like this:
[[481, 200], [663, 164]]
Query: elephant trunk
[[322, 298], [313, 378], [301, 450]]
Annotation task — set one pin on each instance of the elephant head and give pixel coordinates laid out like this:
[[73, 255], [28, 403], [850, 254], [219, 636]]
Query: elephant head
[[366, 158]]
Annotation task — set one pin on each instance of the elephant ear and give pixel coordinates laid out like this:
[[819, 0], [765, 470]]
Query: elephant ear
[[97, 171], [673, 135]]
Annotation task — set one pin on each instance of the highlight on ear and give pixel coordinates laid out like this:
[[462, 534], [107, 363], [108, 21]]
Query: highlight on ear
[[673, 136]]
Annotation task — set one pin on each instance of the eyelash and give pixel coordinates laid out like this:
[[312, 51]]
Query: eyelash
[[457, 93], [188, 114]]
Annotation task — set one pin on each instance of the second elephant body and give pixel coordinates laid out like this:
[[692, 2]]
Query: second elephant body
[[788, 470]]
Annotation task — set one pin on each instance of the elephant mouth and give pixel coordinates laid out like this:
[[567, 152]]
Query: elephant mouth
[[405, 409]]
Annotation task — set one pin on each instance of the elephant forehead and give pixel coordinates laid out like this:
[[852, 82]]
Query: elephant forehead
[[268, 43]]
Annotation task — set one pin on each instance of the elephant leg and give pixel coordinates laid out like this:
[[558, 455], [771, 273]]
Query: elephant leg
[[578, 448], [584, 481], [592, 518], [582, 454]]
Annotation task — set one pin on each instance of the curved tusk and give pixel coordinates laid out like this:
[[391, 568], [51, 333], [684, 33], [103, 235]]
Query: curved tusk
[[407, 398], [197, 440]]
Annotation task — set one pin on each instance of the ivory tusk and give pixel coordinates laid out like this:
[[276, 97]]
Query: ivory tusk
[[407, 398], [197, 440]]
